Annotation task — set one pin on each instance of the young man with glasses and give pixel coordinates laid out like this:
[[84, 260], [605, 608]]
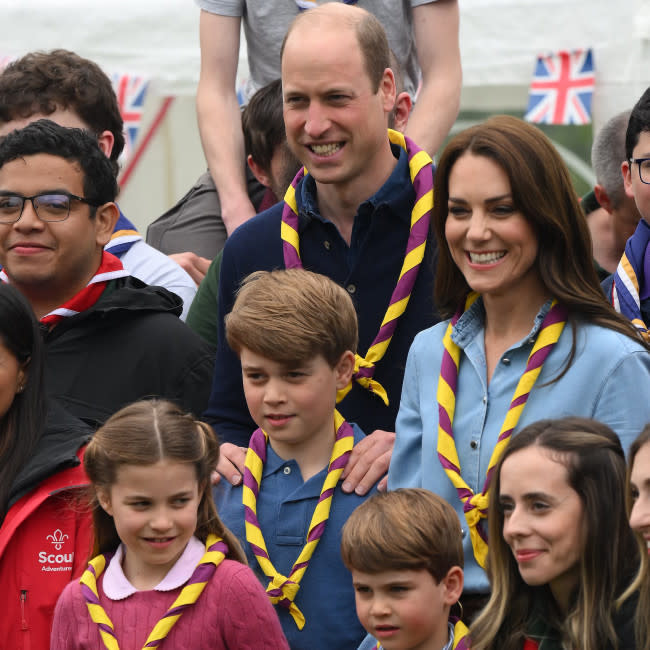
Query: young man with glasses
[[110, 339], [629, 287]]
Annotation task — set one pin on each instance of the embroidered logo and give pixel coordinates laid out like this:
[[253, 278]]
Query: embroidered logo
[[57, 537]]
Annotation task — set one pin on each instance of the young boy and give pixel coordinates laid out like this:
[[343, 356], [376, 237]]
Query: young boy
[[404, 549], [296, 335], [628, 288]]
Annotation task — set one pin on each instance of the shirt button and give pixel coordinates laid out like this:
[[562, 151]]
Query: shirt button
[[287, 470], [505, 361], [484, 399], [531, 340], [351, 288], [473, 444], [327, 245]]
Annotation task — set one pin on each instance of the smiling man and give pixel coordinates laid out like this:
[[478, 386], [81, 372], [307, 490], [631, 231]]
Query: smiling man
[[110, 339], [350, 218]]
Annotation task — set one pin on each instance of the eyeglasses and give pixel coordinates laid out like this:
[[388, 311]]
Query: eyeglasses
[[644, 169], [50, 206]]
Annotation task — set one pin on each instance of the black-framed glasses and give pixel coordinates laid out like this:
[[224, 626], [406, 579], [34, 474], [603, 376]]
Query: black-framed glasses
[[644, 169], [49, 206]]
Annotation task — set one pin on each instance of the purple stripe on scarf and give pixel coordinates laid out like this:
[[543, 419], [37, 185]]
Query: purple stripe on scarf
[[258, 444], [340, 462], [258, 551], [419, 232], [251, 517], [296, 567], [202, 573], [250, 482], [89, 595], [464, 494], [315, 533], [447, 464], [106, 628], [221, 546], [326, 494], [521, 399], [291, 258], [365, 372], [537, 359], [449, 371], [176, 611], [444, 421]]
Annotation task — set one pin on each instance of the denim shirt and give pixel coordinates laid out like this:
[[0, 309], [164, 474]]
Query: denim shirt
[[608, 380]]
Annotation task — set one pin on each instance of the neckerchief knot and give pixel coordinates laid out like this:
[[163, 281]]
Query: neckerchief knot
[[475, 506], [421, 173], [215, 551], [282, 590]]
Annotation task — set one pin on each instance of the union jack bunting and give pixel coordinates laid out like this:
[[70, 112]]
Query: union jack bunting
[[562, 88], [131, 91]]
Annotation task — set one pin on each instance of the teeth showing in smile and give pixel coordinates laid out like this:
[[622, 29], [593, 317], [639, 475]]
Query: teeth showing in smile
[[325, 149], [486, 258]]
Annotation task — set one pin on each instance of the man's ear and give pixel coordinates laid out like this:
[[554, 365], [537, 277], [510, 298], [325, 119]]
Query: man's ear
[[402, 111], [344, 369], [453, 582], [603, 198], [626, 170], [106, 141], [104, 498], [106, 217], [259, 172]]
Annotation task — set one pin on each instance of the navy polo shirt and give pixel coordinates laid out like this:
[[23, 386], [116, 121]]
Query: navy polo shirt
[[368, 269], [284, 509]]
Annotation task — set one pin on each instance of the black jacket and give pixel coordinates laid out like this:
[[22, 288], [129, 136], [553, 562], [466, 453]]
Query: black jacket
[[130, 345]]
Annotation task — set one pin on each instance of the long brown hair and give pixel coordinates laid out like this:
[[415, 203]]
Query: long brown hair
[[610, 568], [144, 433], [542, 191]]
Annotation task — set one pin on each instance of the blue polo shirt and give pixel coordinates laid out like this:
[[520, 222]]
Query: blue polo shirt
[[284, 509], [368, 269]]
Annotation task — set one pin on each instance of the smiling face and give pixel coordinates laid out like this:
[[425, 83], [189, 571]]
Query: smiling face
[[543, 520], [640, 485], [491, 242], [294, 404], [634, 187], [335, 121], [407, 609], [154, 508], [53, 259]]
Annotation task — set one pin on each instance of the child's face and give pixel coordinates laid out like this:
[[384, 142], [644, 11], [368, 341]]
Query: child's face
[[294, 404], [634, 187], [640, 484], [155, 512], [406, 609]]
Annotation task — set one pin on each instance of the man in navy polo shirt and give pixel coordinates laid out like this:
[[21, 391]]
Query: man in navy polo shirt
[[353, 223]]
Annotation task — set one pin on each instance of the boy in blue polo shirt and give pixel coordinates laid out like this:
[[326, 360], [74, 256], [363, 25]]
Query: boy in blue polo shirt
[[296, 335]]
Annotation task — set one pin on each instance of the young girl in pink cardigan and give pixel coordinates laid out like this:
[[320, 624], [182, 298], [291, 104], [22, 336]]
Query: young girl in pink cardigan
[[166, 572]]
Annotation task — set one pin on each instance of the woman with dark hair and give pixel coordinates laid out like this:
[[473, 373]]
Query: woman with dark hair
[[563, 563], [44, 536], [529, 334]]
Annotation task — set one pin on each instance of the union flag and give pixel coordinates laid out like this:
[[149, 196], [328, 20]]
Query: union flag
[[131, 91]]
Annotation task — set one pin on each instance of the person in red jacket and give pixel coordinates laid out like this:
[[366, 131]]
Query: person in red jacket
[[44, 532]]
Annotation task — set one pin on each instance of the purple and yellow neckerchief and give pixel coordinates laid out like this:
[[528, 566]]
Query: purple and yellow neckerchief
[[461, 637], [475, 506], [421, 171], [630, 280], [215, 551], [282, 590], [303, 5]]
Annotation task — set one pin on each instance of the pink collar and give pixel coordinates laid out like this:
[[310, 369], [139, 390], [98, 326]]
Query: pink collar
[[117, 587]]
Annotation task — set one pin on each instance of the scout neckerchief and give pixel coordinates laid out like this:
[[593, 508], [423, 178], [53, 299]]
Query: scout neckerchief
[[421, 170], [303, 5], [109, 269], [475, 505], [282, 590], [123, 237], [215, 551], [461, 637], [630, 280]]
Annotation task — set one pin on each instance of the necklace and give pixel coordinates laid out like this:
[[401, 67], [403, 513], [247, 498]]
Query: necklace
[[421, 170], [475, 506], [282, 590], [215, 551]]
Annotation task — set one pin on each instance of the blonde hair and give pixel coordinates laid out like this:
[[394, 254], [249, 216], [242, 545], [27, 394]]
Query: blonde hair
[[408, 528], [145, 433], [292, 316]]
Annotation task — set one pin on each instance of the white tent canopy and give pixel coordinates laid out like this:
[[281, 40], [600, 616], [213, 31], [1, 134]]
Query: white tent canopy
[[499, 42]]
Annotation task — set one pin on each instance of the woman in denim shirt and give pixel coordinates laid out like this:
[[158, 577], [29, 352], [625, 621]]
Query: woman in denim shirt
[[530, 334]]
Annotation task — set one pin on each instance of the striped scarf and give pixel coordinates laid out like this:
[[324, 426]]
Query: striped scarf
[[461, 637], [282, 590], [421, 170], [215, 551], [109, 269], [475, 505], [630, 282], [123, 237]]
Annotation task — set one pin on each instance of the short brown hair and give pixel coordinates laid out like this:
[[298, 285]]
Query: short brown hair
[[42, 82], [292, 316], [408, 528], [370, 34]]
